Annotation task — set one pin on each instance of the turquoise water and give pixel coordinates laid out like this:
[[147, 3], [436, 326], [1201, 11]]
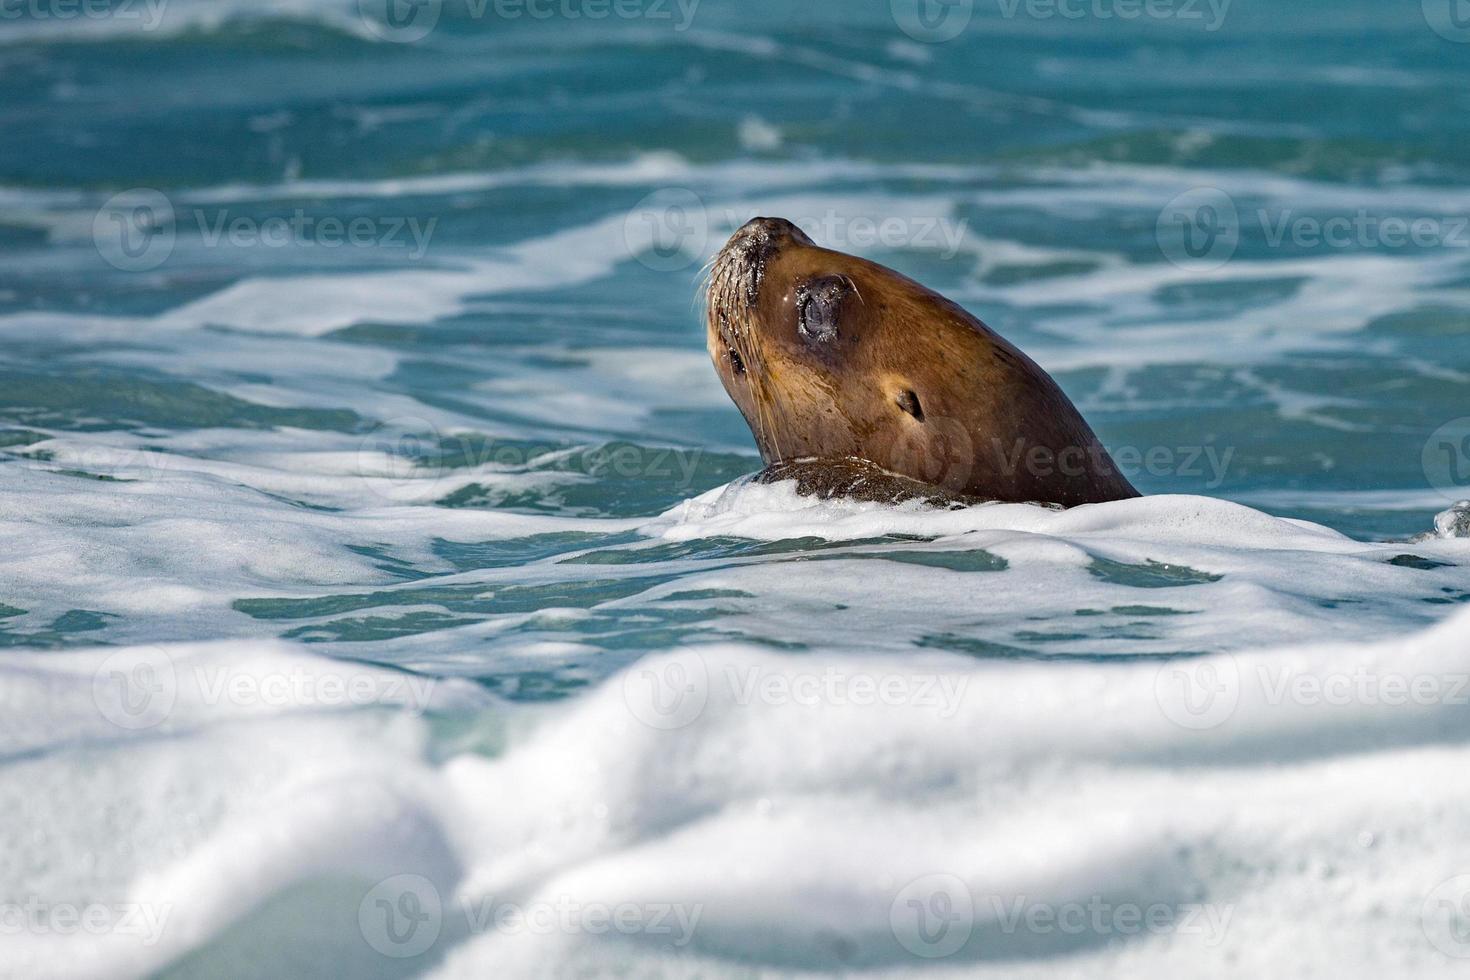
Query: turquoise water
[[316, 330], [494, 300]]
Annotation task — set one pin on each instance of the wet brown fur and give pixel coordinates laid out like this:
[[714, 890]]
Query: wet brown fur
[[911, 382]]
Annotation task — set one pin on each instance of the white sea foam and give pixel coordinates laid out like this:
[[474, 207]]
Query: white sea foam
[[1280, 576], [1274, 807], [202, 520]]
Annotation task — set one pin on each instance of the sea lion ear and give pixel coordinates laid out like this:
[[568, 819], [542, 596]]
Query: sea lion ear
[[819, 308], [909, 403]]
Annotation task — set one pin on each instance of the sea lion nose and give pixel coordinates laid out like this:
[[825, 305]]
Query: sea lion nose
[[772, 231]]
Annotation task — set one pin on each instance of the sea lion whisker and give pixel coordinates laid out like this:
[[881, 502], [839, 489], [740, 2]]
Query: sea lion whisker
[[764, 402], [708, 267]]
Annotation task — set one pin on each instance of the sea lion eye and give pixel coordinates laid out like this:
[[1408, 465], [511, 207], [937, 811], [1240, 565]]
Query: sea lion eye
[[818, 305], [737, 364]]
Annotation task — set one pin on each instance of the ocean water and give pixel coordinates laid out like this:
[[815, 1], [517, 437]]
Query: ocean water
[[381, 593]]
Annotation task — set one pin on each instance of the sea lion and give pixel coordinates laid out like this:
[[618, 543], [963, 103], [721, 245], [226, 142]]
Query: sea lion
[[857, 381]]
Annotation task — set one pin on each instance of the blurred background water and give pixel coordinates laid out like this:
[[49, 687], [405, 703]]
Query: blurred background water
[[377, 328]]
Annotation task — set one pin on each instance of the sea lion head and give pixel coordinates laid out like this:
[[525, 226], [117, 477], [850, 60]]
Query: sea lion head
[[833, 357]]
